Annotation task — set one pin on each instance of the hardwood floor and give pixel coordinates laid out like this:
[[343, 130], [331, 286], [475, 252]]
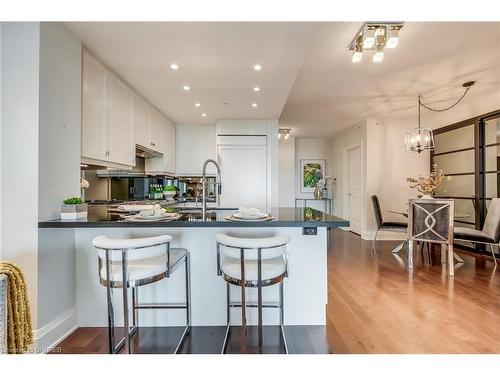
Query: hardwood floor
[[375, 305]]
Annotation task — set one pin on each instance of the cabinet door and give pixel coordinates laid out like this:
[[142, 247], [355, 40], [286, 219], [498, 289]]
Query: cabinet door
[[194, 145], [156, 130], [169, 147], [121, 147], [141, 122], [94, 110], [244, 176]]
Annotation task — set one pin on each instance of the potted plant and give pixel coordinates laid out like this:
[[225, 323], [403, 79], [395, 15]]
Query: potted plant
[[429, 185], [73, 208], [170, 191]]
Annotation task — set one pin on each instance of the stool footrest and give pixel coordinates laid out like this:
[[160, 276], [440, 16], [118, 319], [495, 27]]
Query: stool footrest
[[254, 304], [161, 306]]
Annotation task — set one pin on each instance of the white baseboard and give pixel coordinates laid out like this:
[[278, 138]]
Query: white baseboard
[[52, 333]]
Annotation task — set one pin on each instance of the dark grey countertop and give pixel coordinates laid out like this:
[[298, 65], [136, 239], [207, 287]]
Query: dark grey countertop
[[99, 217]]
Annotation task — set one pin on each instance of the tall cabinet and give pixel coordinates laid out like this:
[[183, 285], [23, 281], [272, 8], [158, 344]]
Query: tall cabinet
[[246, 152]]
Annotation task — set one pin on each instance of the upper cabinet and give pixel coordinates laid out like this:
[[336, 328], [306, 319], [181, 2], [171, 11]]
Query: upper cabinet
[[121, 144], [156, 130], [141, 121], [94, 109], [194, 145], [115, 119], [107, 122], [166, 163]]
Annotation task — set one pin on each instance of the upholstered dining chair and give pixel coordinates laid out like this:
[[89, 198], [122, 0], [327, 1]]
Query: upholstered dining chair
[[431, 221], [489, 235], [390, 226]]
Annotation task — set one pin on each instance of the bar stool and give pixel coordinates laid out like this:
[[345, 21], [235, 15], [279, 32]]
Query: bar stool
[[131, 263], [250, 263]]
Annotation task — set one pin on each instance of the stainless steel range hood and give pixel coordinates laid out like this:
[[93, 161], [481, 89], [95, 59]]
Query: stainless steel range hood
[[146, 153]]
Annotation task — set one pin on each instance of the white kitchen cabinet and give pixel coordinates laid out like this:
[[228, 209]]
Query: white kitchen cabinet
[[243, 175], [156, 130], [107, 122], [242, 127], [94, 109], [121, 144], [166, 163], [194, 145], [141, 121], [169, 146]]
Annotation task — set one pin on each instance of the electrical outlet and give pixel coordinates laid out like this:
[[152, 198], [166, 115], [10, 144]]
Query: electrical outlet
[[309, 231]]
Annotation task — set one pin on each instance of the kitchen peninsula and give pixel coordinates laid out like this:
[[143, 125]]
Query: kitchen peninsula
[[305, 288]]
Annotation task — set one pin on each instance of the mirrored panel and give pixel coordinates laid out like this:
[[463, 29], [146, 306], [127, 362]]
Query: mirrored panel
[[454, 139], [457, 162], [492, 158], [459, 186], [491, 185], [465, 211], [492, 131]]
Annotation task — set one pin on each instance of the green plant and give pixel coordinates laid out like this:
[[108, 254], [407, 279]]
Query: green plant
[[73, 200], [170, 188]]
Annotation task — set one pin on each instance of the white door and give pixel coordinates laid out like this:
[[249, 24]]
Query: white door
[[244, 176], [354, 181], [121, 145]]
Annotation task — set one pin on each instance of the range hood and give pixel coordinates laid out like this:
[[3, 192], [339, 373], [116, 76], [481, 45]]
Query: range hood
[[146, 153]]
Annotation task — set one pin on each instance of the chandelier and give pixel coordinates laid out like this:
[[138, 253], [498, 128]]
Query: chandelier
[[422, 139], [376, 37]]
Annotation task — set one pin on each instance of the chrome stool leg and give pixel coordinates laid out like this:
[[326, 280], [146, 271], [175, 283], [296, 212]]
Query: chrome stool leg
[[243, 302], [282, 318], [111, 314], [126, 330], [228, 317], [259, 296], [187, 329]]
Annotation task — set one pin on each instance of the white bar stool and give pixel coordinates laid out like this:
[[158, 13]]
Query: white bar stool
[[133, 263], [253, 262]]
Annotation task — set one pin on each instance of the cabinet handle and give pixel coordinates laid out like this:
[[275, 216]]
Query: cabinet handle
[[107, 153]]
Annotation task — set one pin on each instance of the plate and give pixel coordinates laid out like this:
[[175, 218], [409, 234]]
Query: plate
[[162, 217], [237, 215], [233, 218]]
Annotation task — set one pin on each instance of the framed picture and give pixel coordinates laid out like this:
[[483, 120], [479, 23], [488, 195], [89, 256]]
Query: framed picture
[[311, 171]]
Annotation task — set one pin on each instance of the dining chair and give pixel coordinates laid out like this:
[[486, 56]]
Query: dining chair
[[389, 226], [489, 235], [431, 221]]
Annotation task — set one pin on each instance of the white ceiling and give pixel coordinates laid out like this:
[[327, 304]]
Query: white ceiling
[[305, 65], [216, 60], [432, 59]]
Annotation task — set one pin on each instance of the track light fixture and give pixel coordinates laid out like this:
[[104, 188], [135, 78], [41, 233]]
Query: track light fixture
[[285, 133]]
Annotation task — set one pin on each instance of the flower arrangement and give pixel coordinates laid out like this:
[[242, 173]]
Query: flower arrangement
[[431, 184]]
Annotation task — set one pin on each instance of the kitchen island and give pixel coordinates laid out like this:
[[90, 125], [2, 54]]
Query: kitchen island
[[305, 288]]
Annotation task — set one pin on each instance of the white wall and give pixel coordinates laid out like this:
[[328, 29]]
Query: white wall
[[59, 174], [287, 172], [19, 150], [338, 144]]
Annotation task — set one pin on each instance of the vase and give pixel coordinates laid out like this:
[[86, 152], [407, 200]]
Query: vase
[[426, 196], [318, 194]]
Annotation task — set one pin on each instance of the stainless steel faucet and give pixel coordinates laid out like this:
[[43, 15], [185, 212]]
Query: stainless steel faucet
[[204, 186]]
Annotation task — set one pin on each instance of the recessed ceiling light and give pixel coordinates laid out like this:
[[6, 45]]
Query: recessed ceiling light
[[257, 67], [254, 105], [174, 66], [203, 115], [197, 104], [186, 88], [256, 88]]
